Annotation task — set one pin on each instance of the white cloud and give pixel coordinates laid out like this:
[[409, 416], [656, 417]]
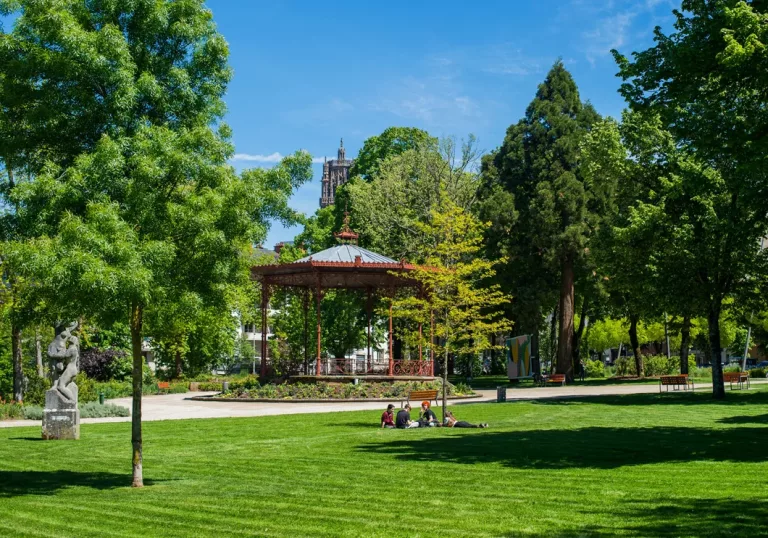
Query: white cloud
[[272, 158], [609, 33]]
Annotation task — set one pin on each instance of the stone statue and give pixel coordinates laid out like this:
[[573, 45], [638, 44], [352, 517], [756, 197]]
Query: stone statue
[[61, 417], [64, 353]]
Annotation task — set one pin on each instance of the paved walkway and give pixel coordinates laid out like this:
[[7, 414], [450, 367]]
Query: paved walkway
[[178, 406]]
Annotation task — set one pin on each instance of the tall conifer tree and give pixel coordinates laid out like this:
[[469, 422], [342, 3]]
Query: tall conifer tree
[[539, 164]]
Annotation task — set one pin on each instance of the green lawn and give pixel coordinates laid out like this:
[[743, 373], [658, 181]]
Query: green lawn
[[645, 465]]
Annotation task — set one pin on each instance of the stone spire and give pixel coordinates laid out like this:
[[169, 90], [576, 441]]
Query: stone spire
[[342, 156]]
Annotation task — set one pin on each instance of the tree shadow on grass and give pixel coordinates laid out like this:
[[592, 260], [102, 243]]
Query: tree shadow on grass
[[676, 398], [675, 517], [595, 447], [745, 419], [17, 483]]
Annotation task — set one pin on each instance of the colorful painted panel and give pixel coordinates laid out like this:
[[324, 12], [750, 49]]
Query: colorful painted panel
[[519, 357]]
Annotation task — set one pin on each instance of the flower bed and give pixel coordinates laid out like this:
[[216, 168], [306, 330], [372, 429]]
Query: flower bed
[[332, 391]]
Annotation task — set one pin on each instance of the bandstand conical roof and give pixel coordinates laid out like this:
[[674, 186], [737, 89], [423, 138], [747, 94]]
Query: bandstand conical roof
[[346, 253]]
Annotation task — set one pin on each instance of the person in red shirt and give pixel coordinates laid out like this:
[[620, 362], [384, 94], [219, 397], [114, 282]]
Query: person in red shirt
[[388, 417]]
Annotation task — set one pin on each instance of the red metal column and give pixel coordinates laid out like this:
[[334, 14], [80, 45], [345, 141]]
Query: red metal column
[[391, 351], [432, 339], [264, 306], [368, 309], [306, 331], [319, 298]]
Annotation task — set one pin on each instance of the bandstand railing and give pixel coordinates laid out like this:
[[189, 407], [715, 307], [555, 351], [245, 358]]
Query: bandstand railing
[[361, 367]]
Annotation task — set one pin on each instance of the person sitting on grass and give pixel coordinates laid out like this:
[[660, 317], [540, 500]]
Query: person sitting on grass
[[388, 417], [428, 417], [403, 419], [451, 422]]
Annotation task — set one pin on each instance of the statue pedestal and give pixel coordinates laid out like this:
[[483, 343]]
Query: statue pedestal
[[61, 418]]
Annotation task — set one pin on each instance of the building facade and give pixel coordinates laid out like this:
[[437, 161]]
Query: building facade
[[335, 173]]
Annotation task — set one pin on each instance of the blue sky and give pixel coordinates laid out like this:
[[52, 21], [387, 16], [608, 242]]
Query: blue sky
[[308, 73]]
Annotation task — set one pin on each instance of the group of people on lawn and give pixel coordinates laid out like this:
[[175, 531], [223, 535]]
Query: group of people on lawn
[[426, 419]]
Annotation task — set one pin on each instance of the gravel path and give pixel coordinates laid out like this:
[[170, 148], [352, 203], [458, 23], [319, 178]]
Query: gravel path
[[179, 407]]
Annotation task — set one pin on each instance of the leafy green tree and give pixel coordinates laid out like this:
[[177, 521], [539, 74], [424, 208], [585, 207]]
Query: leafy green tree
[[539, 163], [700, 80], [464, 307], [405, 190], [393, 141], [143, 205]]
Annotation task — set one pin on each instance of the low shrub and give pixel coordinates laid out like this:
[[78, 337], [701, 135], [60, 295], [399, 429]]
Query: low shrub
[[10, 410], [175, 388], [625, 366], [347, 391], [595, 368], [33, 412], [758, 372], [87, 410], [209, 385], [96, 410]]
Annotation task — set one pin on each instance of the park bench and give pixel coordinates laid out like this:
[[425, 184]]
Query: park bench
[[557, 378], [428, 395], [675, 381], [163, 385], [740, 378]]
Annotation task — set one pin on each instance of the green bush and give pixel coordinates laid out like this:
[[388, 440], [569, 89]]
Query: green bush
[[86, 388], [175, 388], [758, 372], [96, 410], [625, 366], [36, 386], [10, 410], [595, 368], [209, 385]]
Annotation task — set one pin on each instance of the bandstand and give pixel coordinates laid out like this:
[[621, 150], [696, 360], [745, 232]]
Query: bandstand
[[350, 267]]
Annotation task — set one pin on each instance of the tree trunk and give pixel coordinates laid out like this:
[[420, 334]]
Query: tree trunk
[[633, 320], [685, 343], [565, 342], [178, 363], [713, 318], [577, 334], [18, 371], [138, 365], [39, 354], [445, 383]]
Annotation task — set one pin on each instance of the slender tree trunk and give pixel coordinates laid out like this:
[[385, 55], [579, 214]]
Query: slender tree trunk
[[565, 342], [138, 365], [713, 318], [178, 363], [18, 371], [633, 320], [685, 343], [39, 354], [445, 382]]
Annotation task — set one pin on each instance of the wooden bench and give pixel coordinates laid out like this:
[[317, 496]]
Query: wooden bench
[[557, 378], [740, 378], [163, 385], [675, 381], [428, 395]]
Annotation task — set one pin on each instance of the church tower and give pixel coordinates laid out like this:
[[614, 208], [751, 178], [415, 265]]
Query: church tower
[[335, 173]]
